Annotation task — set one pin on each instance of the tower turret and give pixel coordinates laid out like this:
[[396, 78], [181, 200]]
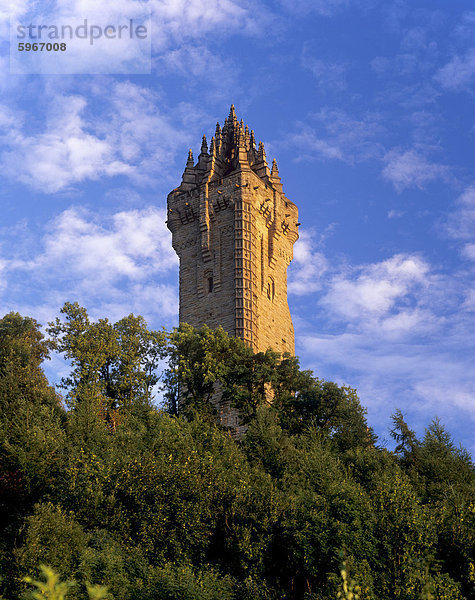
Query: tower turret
[[234, 229]]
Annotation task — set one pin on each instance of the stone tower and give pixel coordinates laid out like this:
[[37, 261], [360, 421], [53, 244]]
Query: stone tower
[[234, 229]]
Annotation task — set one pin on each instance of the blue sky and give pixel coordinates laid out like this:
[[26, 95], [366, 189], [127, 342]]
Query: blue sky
[[367, 106]]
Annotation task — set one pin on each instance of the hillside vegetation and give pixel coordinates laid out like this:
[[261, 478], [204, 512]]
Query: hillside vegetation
[[156, 501]]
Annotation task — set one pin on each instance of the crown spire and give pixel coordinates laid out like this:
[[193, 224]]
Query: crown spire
[[188, 178], [260, 166], [233, 148], [275, 177], [261, 153], [247, 138]]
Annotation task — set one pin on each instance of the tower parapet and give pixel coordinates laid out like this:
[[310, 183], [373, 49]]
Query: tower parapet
[[234, 229]]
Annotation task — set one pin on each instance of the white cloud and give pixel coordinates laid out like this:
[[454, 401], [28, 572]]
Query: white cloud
[[116, 264], [123, 54], [435, 395], [399, 332], [329, 75], [325, 8], [422, 377], [133, 244], [395, 214], [175, 25], [308, 266], [198, 64], [65, 154], [380, 64], [409, 168], [337, 135], [8, 119], [197, 18], [402, 336], [459, 73], [374, 291], [11, 9], [469, 251], [3, 280], [469, 302], [131, 137], [310, 145], [461, 223]]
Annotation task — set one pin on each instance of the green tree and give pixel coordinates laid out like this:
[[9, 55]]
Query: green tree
[[406, 531], [444, 477], [114, 365], [24, 389], [305, 402], [200, 364], [50, 587], [325, 511], [53, 537], [31, 430]]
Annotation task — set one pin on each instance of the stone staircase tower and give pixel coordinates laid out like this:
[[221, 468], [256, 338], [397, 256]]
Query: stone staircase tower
[[234, 229]]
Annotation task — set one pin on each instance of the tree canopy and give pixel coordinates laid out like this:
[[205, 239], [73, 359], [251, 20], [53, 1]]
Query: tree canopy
[[130, 483]]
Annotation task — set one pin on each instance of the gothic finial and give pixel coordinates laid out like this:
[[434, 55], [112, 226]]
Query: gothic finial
[[232, 113], [188, 178], [241, 137], [275, 177], [218, 130], [252, 140], [261, 153], [204, 146], [212, 147]]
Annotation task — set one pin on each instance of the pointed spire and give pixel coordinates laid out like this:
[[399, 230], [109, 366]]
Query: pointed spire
[[237, 133], [275, 177], [242, 156], [188, 179], [218, 138], [261, 153], [224, 129], [260, 167], [241, 136], [233, 147]]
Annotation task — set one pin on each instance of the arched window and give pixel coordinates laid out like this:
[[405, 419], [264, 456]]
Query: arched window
[[210, 285]]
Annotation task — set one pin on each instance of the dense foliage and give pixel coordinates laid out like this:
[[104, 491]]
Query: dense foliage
[[163, 503]]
